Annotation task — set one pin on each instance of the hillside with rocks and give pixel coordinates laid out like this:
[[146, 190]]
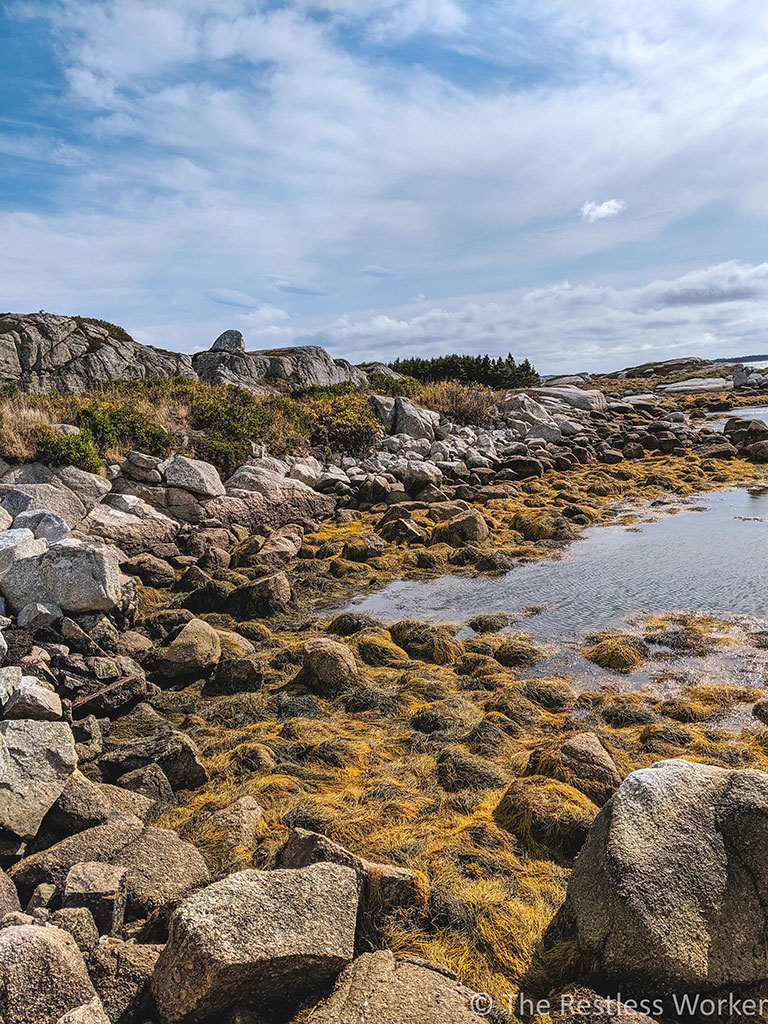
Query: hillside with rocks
[[227, 796]]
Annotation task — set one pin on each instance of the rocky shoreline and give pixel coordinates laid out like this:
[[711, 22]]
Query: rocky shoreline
[[220, 804]]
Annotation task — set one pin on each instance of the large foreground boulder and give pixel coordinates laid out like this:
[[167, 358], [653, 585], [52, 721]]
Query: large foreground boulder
[[670, 890], [257, 938], [387, 989]]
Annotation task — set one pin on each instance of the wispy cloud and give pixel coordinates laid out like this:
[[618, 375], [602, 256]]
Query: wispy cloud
[[374, 270], [601, 211], [229, 297]]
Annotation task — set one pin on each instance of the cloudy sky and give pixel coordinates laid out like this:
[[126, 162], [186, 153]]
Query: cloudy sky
[[582, 182]]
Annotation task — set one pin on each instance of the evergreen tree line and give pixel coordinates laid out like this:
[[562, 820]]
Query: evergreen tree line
[[496, 373]]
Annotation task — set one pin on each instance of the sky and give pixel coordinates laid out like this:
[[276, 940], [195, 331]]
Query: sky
[[579, 182]]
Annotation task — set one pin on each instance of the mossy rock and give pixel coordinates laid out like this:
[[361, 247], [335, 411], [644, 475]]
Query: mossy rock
[[378, 649], [348, 623], [519, 651], [542, 524], [489, 623], [426, 642], [457, 770], [617, 651], [545, 813], [554, 694]]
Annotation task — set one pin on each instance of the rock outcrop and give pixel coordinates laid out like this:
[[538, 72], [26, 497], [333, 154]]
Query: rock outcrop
[[45, 352]]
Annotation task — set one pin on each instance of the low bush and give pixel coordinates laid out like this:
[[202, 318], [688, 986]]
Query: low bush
[[67, 449], [473, 404]]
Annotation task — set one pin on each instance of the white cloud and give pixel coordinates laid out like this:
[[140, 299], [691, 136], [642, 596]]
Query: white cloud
[[222, 140], [720, 311], [600, 211]]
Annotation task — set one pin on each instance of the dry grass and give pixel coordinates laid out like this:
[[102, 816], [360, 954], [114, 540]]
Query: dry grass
[[21, 418], [473, 404]]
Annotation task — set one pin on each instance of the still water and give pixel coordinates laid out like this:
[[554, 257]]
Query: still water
[[709, 556]]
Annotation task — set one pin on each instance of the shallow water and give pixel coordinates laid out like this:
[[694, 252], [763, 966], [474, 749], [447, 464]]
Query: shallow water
[[754, 412], [710, 556]]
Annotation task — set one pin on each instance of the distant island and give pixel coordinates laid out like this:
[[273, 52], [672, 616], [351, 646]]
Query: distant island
[[741, 359]]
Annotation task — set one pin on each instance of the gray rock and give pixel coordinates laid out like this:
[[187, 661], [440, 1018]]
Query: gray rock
[[150, 782], [44, 352], [42, 975], [414, 421], [89, 487], [43, 524], [36, 759], [388, 989], [307, 364], [55, 498], [229, 341], [577, 398], [77, 576], [256, 938], [18, 544], [173, 751], [192, 475], [668, 890], [131, 523], [36, 615], [31, 700]]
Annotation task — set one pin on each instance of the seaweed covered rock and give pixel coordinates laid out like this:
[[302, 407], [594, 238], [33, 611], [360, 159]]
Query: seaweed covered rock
[[546, 813], [618, 651], [582, 761], [518, 651], [467, 527], [668, 892], [426, 642]]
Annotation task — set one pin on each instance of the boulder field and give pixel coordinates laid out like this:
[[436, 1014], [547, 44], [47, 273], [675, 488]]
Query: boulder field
[[173, 714]]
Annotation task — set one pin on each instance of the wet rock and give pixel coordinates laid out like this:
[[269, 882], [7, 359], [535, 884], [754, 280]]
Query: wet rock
[[174, 752], [267, 596], [582, 761], [36, 759], [256, 938], [194, 650], [390, 989], [80, 924], [150, 782], [42, 975], [153, 572], [329, 667], [666, 894]]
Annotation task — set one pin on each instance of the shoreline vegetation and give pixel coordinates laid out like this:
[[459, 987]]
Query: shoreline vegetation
[[206, 751]]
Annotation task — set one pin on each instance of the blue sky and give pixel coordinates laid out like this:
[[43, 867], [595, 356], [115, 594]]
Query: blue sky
[[583, 183]]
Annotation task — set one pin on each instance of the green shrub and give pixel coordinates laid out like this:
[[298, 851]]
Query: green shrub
[[112, 427], [55, 449], [344, 423], [381, 384]]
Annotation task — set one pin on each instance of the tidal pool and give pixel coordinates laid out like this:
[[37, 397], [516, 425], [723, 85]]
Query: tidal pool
[[710, 555], [753, 412]]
